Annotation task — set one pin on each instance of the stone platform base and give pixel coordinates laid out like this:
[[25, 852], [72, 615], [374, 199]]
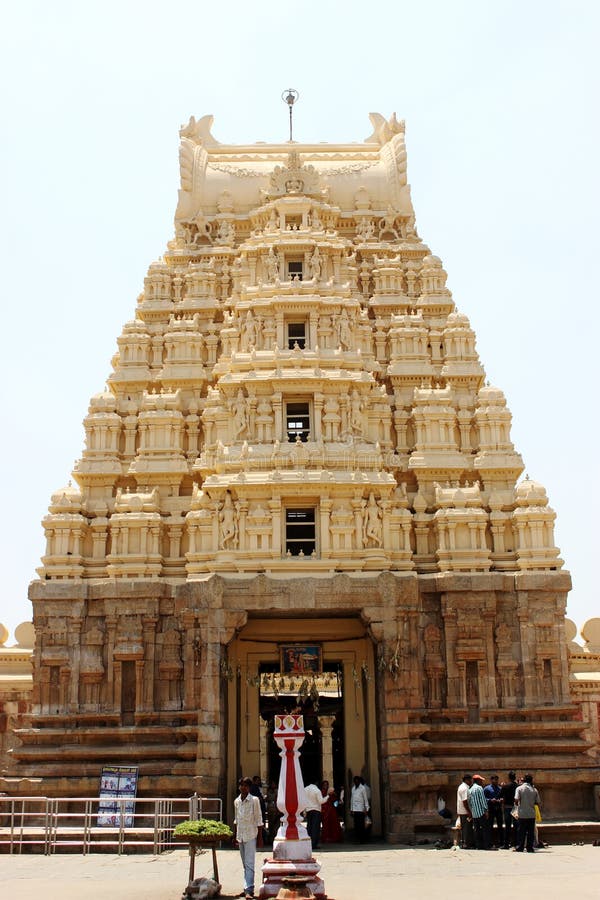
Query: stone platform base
[[275, 870]]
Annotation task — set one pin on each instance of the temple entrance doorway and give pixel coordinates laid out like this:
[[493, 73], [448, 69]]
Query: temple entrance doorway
[[321, 667], [320, 698]]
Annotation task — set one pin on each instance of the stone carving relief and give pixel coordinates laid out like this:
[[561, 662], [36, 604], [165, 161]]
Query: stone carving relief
[[372, 523], [294, 178], [239, 409], [384, 129], [434, 667], [228, 524], [170, 670]]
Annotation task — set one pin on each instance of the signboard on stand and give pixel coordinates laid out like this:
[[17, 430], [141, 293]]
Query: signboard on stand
[[118, 787]]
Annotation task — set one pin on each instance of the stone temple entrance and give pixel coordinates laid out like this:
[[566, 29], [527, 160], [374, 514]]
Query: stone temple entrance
[[323, 750], [340, 716]]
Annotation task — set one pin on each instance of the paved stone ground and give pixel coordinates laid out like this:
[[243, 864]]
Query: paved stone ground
[[378, 872]]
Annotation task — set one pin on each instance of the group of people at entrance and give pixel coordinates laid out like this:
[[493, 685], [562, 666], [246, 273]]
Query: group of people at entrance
[[324, 813], [513, 807]]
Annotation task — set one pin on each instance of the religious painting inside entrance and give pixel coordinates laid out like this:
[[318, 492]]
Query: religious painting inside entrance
[[301, 659]]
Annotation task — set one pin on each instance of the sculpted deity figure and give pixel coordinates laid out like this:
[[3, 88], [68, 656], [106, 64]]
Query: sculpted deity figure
[[249, 332], [183, 233], [272, 223], [226, 233], [315, 264], [240, 414], [344, 330], [387, 226], [202, 229], [356, 413], [365, 229], [317, 225], [372, 527], [272, 265], [228, 524]]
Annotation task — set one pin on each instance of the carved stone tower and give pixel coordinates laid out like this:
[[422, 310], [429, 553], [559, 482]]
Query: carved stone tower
[[297, 443]]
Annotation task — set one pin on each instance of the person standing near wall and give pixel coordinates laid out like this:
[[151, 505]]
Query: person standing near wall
[[479, 811], [247, 820], [526, 798], [463, 811], [493, 795], [359, 806]]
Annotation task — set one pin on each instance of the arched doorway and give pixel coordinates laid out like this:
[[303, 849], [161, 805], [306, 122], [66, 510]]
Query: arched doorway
[[338, 702]]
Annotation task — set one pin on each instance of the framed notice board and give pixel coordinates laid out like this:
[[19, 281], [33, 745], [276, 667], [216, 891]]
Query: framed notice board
[[117, 783]]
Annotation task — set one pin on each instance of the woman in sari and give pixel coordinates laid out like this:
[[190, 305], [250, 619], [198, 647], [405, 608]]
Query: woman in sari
[[331, 831]]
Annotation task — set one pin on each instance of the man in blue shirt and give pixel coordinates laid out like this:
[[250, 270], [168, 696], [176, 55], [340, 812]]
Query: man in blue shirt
[[479, 811], [493, 795]]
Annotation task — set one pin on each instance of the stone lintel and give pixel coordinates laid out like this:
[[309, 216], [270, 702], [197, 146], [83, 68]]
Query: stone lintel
[[554, 582]]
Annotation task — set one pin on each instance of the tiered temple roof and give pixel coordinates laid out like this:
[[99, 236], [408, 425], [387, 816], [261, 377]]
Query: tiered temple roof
[[296, 347]]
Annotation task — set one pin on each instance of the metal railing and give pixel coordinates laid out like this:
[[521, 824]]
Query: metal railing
[[48, 824]]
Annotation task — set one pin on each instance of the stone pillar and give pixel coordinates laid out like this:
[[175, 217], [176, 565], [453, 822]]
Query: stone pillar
[[63, 686], [208, 766], [455, 679], [275, 508], [490, 699], [263, 730], [312, 329], [149, 636], [325, 537], [317, 424], [326, 725], [111, 691], [278, 413], [190, 662], [292, 850], [357, 510], [526, 634], [74, 640], [139, 685], [242, 513]]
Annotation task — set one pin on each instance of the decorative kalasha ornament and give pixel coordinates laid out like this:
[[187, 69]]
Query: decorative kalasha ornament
[[292, 849], [290, 96]]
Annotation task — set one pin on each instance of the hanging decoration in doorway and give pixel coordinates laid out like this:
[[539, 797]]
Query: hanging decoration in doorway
[[277, 684]]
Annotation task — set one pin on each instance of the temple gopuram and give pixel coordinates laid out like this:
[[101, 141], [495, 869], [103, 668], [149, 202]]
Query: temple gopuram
[[298, 490]]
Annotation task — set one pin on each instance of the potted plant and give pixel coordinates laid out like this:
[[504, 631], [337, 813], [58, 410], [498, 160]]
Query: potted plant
[[203, 831]]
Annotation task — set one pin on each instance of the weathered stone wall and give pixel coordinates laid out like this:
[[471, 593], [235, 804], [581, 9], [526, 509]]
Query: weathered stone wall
[[472, 672]]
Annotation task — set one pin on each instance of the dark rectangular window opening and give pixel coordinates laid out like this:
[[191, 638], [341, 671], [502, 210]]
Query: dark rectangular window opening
[[296, 333], [297, 417], [300, 535], [294, 268]]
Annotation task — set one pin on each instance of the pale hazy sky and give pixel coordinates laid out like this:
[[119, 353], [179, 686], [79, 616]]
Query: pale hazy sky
[[501, 108]]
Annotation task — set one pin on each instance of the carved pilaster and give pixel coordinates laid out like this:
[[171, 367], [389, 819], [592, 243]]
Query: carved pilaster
[[191, 659], [74, 639], [326, 724], [149, 624], [111, 677]]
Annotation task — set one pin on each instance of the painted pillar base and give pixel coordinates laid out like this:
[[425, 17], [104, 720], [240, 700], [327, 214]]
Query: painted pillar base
[[293, 850], [275, 870]]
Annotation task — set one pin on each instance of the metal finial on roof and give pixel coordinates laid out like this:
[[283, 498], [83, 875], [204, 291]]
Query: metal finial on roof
[[290, 96]]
